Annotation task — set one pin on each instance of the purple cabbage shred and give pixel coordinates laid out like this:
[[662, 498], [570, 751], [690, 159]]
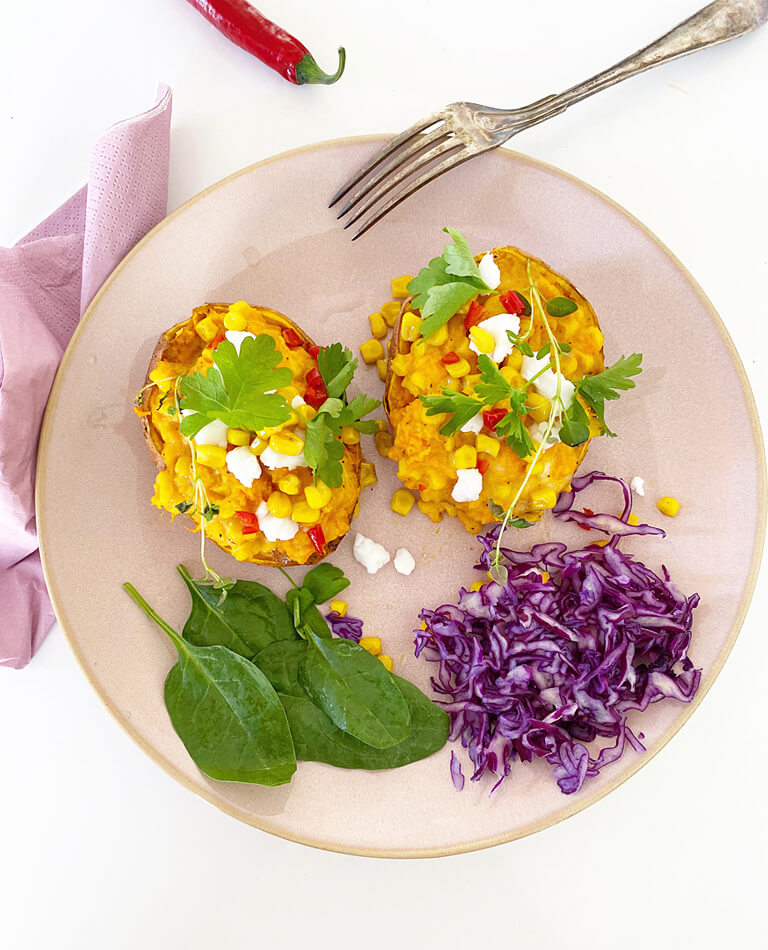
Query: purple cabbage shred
[[545, 668], [350, 628]]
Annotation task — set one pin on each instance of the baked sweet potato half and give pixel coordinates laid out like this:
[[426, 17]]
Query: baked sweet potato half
[[249, 485], [478, 470]]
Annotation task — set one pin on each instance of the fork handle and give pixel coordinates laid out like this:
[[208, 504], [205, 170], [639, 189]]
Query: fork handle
[[719, 21]]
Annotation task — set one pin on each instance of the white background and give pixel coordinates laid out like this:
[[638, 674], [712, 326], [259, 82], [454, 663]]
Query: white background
[[102, 849]]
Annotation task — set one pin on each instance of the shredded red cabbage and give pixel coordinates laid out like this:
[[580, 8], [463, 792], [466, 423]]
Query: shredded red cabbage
[[542, 667], [350, 628]]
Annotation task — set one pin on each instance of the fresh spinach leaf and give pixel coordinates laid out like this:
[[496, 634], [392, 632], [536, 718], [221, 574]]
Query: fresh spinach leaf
[[246, 619], [317, 739], [355, 690], [226, 712], [280, 664], [324, 582]]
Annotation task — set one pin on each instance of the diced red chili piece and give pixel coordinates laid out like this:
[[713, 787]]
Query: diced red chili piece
[[422, 487], [482, 466], [316, 536], [314, 377], [476, 314], [315, 397], [219, 339], [314, 351], [249, 522], [512, 302], [292, 338], [451, 357], [492, 417], [587, 511]]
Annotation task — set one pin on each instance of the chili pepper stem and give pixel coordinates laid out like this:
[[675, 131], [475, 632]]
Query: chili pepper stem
[[307, 70]]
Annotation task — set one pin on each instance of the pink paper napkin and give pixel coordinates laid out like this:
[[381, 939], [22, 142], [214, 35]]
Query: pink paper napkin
[[46, 282]]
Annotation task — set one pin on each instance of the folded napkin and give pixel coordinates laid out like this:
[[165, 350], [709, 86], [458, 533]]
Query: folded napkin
[[46, 282]]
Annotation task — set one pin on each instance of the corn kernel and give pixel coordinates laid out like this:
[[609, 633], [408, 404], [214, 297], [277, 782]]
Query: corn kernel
[[350, 435], [206, 330], [400, 286], [402, 501], [317, 496], [545, 577], [305, 412], [514, 360], [286, 443], [439, 336], [390, 312], [258, 446], [569, 365], [410, 328], [161, 377], [399, 364], [633, 519], [487, 444], [378, 326], [538, 407], [482, 339], [591, 339], [381, 425], [371, 351], [279, 505], [384, 442], [469, 383], [512, 376], [387, 661], [290, 484], [436, 480], [416, 382], [459, 369], [234, 320], [367, 474], [381, 369], [238, 437], [419, 347], [371, 644], [214, 456], [340, 607], [477, 585], [465, 457], [288, 393], [241, 307], [668, 506], [543, 498], [227, 509], [304, 513]]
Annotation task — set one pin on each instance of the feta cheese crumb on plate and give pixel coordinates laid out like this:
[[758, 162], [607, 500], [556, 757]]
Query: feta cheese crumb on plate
[[404, 561], [372, 555], [638, 485]]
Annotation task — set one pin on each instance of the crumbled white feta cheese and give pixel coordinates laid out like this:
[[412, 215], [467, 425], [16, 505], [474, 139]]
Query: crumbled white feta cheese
[[370, 554], [638, 485], [489, 271], [469, 485], [546, 384], [236, 338], [244, 465], [475, 424], [499, 326], [275, 529], [214, 433], [271, 459], [537, 431], [296, 402], [404, 561]]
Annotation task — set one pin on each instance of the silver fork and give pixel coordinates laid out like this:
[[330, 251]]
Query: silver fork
[[460, 131]]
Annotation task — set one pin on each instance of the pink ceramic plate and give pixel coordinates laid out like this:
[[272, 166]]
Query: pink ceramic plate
[[265, 235]]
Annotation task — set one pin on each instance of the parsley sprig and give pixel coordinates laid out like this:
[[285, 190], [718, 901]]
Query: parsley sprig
[[323, 448], [237, 389], [443, 287]]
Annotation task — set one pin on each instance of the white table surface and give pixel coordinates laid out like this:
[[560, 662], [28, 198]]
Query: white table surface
[[100, 848]]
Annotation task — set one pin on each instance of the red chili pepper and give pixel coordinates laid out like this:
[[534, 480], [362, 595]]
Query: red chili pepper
[[512, 302], [587, 511], [316, 536], [422, 487], [482, 466], [476, 314], [219, 339], [492, 417], [292, 338], [253, 32], [314, 377], [315, 397], [451, 357], [314, 351], [249, 522]]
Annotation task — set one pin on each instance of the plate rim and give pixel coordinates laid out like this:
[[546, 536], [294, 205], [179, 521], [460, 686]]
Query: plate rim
[[263, 824]]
